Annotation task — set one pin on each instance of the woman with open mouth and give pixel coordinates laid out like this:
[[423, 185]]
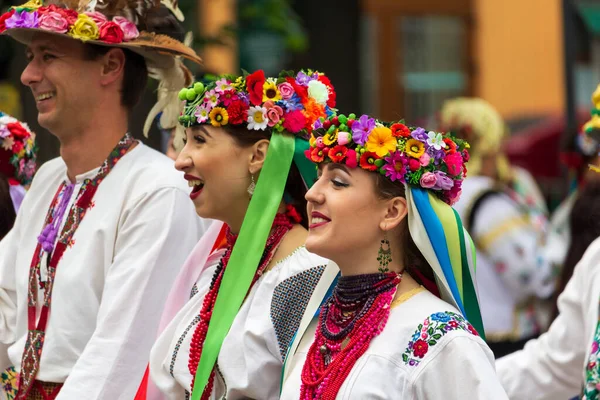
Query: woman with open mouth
[[403, 320], [250, 277]]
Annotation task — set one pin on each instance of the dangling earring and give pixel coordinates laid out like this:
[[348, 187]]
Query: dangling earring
[[252, 186], [384, 255]]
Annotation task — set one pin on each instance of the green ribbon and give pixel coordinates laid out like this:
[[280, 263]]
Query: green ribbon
[[246, 253], [307, 168], [470, 301]]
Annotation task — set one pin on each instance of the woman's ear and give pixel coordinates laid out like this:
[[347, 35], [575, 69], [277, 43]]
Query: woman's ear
[[258, 155], [395, 213]]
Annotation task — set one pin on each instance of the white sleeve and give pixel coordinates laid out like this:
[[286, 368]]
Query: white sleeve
[[156, 236], [463, 368], [550, 367], [512, 243], [8, 291]]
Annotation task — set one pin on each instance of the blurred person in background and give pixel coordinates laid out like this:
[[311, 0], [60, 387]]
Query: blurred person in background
[[565, 361], [505, 213], [17, 166]]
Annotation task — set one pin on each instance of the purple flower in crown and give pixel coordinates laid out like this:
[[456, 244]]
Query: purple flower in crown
[[443, 182], [318, 124], [437, 155], [303, 79], [420, 134], [361, 129], [23, 19], [4, 132]]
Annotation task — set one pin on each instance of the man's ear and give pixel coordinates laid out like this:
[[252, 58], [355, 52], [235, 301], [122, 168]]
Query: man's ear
[[113, 66]]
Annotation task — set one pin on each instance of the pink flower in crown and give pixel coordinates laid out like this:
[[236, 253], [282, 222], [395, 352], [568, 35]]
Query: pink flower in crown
[[229, 97], [428, 180], [202, 112], [319, 142], [343, 138], [130, 31], [286, 90], [274, 113], [454, 162], [425, 159], [97, 17], [54, 22], [351, 159], [211, 98], [223, 86]]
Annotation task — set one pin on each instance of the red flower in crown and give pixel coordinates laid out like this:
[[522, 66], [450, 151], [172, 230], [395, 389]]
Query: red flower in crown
[[69, 15], [400, 130], [450, 146], [3, 18], [254, 86], [237, 112], [367, 161], [338, 153], [17, 147], [17, 130], [300, 90]]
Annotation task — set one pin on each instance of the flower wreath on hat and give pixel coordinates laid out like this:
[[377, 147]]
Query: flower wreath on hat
[[107, 23], [589, 139], [17, 143], [415, 156], [290, 102]]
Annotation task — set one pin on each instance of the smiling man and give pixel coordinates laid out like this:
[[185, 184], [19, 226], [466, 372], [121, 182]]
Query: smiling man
[[86, 269]]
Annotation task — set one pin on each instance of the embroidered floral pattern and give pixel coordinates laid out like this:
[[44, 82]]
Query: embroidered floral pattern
[[429, 333], [591, 389], [9, 382]]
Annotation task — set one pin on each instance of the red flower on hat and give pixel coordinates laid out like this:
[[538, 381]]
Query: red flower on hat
[[111, 32], [237, 111], [254, 86], [3, 18], [67, 14], [18, 130]]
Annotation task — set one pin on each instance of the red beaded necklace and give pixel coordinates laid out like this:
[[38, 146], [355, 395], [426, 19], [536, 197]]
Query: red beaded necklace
[[281, 225], [355, 314]]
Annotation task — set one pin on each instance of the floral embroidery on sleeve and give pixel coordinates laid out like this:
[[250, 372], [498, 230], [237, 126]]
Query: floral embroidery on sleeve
[[430, 332]]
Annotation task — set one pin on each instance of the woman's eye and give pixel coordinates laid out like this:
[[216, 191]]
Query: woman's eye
[[337, 183], [48, 57], [199, 139]]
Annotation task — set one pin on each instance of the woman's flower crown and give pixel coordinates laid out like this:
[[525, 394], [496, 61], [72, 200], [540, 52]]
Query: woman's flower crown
[[290, 102], [85, 26], [414, 156], [18, 142]]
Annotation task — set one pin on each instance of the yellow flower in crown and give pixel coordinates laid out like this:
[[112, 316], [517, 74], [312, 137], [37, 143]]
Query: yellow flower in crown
[[218, 116], [414, 148], [84, 28], [330, 138], [381, 141], [270, 91]]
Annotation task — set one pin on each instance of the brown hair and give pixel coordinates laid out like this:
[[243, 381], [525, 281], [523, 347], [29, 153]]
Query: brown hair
[[414, 261], [295, 188], [135, 75]]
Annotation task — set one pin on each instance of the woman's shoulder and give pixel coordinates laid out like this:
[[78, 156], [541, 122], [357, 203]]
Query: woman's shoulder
[[421, 327]]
